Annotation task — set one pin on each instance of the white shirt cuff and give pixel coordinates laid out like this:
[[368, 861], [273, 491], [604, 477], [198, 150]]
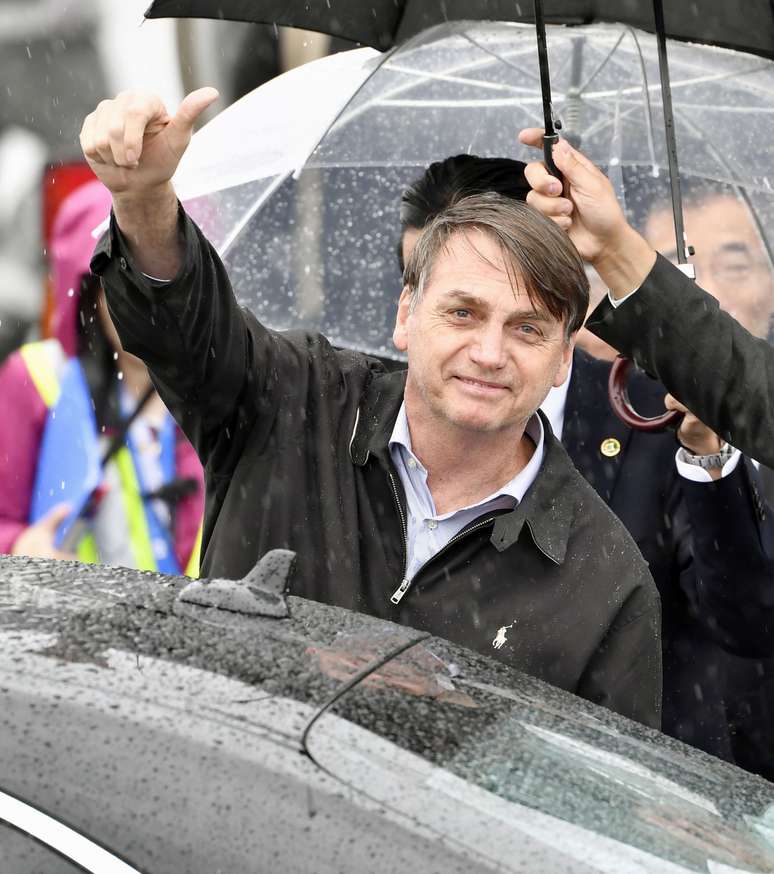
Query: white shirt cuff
[[616, 303], [698, 474]]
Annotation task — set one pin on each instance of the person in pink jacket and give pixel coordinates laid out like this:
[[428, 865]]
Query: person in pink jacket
[[92, 464]]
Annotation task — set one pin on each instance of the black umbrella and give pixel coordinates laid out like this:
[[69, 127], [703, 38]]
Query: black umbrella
[[747, 26]]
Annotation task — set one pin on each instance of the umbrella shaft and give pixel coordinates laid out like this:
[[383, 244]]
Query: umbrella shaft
[[545, 76], [669, 129]]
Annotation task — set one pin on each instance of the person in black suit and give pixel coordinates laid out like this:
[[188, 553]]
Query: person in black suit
[[670, 326], [667, 514]]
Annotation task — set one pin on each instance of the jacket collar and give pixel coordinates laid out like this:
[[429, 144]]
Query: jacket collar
[[376, 416], [549, 506]]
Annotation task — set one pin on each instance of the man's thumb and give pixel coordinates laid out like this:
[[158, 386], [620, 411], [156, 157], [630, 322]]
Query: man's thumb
[[192, 107], [575, 166]]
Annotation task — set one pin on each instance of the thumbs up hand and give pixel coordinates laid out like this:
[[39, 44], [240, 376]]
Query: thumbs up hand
[[134, 145]]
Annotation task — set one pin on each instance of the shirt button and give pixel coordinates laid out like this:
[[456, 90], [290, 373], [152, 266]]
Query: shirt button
[[122, 263], [412, 463], [432, 524]]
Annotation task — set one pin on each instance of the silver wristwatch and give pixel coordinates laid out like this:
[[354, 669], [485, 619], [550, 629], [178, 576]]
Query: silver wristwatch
[[709, 462]]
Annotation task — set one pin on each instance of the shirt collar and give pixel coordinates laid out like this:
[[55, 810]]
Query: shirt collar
[[554, 405], [517, 486]]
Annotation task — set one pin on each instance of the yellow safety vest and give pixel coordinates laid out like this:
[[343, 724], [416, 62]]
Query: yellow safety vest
[[44, 361]]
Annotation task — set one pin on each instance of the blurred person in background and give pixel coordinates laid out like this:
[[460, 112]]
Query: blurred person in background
[[51, 71], [151, 504], [730, 258], [697, 528]]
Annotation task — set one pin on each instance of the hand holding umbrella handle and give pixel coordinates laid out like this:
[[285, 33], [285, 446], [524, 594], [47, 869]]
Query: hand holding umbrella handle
[[549, 141], [618, 392]]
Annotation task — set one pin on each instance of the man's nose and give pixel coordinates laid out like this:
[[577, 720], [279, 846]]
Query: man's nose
[[488, 348]]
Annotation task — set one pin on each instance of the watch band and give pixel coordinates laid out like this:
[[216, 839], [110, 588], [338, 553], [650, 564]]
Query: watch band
[[709, 462]]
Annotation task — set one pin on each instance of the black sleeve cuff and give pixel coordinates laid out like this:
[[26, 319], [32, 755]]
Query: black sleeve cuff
[[112, 257]]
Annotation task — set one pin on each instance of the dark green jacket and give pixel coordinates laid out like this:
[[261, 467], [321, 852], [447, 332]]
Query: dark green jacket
[[294, 438]]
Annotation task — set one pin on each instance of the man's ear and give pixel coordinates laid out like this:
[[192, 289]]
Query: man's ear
[[568, 347], [400, 334]]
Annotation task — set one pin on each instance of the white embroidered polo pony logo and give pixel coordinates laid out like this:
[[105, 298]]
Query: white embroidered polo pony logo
[[500, 638]]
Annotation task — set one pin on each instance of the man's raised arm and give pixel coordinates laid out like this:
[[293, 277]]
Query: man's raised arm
[[134, 146], [659, 316], [209, 360]]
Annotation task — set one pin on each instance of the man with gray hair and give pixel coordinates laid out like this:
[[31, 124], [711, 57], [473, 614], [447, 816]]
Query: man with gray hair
[[436, 496]]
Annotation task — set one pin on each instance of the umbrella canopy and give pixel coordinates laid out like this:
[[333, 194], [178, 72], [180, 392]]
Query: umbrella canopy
[[385, 23], [308, 223]]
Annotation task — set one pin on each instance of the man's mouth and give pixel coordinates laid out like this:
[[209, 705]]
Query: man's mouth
[[482, 385]]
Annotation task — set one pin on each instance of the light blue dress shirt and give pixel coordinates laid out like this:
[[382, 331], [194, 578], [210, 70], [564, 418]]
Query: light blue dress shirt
[[427, 532]]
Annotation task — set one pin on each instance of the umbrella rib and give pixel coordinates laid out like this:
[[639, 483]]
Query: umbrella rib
[[350, 115], [606, 122], [737, 183], [602, 65], [408, 103], [497, 56], [680, 83], [240, 226], [342, 110], [460, 80], [646, 97], [732, 74], [714, 107]]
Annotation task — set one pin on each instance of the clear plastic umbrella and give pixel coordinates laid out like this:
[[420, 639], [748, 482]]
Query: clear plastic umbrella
[[298, 184]]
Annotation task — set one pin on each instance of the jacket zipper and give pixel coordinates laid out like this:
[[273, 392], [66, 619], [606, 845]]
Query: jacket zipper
[[405, 582], [397, 595]]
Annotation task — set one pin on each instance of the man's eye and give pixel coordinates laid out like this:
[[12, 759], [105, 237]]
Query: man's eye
[[528, 329], [460, 313], [733, 269]]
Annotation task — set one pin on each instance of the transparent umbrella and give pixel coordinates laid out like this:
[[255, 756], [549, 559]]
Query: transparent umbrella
[[298, 184]]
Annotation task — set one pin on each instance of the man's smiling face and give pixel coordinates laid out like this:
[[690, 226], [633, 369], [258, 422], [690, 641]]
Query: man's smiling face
[[480, 356]]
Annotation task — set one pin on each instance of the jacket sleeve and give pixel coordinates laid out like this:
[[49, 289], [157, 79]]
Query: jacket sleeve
[[215, 366], [20, 437], [677, 332], [731, 589], [624, 674]]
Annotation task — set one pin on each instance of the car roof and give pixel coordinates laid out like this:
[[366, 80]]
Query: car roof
[[460, 722]]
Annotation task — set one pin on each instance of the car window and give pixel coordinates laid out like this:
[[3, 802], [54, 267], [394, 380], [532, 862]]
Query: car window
[[527, 747]]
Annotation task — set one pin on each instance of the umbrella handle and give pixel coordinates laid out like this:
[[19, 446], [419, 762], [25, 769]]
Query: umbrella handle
[[549, 141], [618, 392]]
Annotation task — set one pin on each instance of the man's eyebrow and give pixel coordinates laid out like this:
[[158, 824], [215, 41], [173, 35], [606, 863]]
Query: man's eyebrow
[[465, 297], [458, 295]]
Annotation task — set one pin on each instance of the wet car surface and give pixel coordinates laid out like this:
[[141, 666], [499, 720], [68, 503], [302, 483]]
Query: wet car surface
[[184, 737]]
